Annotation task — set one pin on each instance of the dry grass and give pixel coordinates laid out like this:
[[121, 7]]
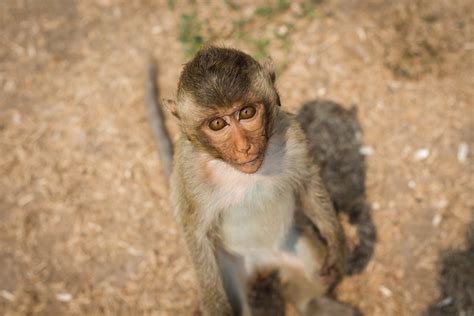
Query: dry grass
[[85, 224]]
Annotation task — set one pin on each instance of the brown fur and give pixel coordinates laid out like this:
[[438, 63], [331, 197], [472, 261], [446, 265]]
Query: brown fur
[[239, 220]]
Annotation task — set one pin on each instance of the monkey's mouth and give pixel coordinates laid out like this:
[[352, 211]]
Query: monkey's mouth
[[250, 166], [252, 161]]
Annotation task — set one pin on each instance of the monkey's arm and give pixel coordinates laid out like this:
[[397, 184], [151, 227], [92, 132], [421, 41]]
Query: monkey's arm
[[213, 299], [318, 208]]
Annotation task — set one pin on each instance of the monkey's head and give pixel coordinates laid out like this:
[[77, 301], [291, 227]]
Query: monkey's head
[[227, 105]]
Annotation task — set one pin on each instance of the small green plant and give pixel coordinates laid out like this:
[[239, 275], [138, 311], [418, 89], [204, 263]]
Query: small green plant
[[239, 28], [261, 46], [190, 34], [260, 30], [232, 5], [264, 11], [171, 4], [283, 5], [269, 11]]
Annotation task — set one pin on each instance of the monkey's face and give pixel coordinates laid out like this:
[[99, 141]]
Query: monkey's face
[[237, 135]]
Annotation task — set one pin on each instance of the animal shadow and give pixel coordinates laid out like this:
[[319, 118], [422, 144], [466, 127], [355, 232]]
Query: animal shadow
[[335, 139], [456, 282]]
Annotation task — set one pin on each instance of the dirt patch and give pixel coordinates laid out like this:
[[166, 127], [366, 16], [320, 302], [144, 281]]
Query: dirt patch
[[85, 224]]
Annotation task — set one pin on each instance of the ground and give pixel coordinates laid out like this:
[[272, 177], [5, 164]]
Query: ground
[[85, 221]]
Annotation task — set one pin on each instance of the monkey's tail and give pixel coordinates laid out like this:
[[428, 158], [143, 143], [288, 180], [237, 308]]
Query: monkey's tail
[[157, 119]]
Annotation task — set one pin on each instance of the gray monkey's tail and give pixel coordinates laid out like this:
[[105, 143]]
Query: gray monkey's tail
[[157, 119]]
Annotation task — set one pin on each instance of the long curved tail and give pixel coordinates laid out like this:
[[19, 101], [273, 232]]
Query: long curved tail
[[157, 120]]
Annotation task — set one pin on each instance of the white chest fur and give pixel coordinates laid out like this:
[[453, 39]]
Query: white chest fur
[[260, 220], [255, 210]]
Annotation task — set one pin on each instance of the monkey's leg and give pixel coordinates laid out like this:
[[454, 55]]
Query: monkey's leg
[[307, 295], [298, 289], [302, 281], [303, 284], [301, 267]]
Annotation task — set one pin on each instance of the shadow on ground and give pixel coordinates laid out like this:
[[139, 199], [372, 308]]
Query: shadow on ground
[[456, 282], [335, 140]]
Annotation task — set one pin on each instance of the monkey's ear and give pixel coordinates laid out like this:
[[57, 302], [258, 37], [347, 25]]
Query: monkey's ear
[[269, 68], [171, 106]]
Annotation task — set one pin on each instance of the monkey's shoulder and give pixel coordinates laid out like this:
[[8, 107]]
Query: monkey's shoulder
[[290, 137]]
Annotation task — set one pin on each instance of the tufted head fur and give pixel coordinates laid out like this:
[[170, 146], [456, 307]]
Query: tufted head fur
[[218, 78]]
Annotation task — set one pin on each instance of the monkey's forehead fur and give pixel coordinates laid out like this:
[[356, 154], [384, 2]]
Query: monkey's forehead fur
[[218, 77]]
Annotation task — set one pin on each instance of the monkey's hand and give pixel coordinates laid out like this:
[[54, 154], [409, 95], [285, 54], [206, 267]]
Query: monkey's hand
[[333, 267]]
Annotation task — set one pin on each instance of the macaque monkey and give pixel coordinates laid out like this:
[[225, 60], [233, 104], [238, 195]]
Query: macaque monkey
[[245, 189]]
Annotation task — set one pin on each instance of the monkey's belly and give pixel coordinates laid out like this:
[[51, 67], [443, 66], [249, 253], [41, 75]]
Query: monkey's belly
[[256, 229]]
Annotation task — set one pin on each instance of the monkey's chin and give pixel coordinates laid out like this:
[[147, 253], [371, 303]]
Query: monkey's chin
[[251, 166]]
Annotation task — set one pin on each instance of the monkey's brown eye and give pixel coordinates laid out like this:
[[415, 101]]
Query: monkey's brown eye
[[217, 124], [247, 112]]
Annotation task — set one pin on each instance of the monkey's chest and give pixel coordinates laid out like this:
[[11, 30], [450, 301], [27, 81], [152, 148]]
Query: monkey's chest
[[259, 222]]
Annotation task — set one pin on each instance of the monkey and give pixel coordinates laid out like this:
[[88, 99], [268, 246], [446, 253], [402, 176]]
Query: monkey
[[245, 189]]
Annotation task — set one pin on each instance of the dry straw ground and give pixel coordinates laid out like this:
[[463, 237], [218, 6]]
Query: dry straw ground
[[85, 222]]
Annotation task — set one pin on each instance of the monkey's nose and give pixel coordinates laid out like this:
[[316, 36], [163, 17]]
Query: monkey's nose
[[244, 147]]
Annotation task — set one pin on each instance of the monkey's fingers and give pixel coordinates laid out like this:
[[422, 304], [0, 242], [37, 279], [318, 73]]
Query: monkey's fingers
[[332, 267], [329, 277]]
